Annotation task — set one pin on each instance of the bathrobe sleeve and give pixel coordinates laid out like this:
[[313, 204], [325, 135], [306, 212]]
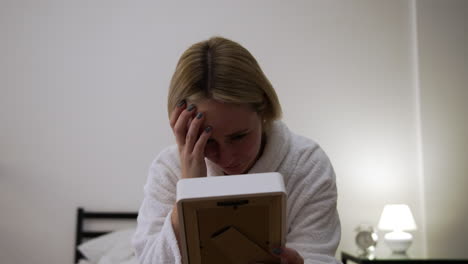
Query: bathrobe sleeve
[[154, 240], [314, 229]]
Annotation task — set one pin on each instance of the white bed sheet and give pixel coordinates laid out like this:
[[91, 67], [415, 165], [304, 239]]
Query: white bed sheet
[[112, 248]]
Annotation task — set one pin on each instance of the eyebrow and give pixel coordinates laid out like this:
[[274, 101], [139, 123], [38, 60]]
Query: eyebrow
[[237, 133]]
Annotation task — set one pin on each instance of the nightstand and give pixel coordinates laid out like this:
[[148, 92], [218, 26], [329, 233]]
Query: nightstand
[[347, 257]]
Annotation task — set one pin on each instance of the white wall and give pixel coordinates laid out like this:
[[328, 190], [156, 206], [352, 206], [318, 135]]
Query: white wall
[[443, 38], [83, 87]]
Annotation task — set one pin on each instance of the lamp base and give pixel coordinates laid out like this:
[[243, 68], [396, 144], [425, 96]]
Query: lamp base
[[398, 241]]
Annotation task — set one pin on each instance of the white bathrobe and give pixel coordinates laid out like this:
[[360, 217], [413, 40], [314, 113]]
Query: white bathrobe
[[313, 225]]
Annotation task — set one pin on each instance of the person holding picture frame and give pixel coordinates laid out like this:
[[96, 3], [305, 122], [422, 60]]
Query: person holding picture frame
[[225, 116]]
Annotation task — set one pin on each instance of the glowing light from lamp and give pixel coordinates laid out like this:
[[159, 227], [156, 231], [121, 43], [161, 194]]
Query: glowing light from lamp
[[397, 217]]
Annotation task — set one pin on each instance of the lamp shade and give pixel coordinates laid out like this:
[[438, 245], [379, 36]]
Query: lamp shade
[[397, 217]]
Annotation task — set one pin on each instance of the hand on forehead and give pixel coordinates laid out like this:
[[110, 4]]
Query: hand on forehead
[[226, 118]]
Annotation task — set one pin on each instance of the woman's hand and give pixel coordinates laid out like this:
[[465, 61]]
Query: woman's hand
[[191, 139], [288, 255]]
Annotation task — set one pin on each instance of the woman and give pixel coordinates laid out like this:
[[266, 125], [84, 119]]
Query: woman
[[225, 117]]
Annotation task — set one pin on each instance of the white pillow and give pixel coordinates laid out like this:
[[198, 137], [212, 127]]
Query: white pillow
[[94, 249], [121, 253], [82, 261]]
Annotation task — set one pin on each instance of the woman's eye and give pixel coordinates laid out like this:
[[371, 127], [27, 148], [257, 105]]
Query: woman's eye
[[238, 137]]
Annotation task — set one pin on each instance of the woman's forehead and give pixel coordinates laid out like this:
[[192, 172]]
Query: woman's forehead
[[227, 118]]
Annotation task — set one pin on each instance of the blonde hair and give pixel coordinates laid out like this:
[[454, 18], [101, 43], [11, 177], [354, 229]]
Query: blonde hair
[[223, 70]]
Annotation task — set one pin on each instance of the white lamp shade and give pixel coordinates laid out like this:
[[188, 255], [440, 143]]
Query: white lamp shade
[[397, 217]]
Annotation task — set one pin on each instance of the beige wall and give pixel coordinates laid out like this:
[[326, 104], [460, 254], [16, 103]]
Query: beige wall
[[443, 57]]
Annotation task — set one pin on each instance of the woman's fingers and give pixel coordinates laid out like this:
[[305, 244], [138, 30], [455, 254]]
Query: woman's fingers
[[186, 124], [288, 255], [199, 148], [175, 114], [193, 132], [180, 127]]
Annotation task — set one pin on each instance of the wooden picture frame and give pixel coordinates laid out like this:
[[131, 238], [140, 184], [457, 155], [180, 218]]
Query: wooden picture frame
[[231, 219]]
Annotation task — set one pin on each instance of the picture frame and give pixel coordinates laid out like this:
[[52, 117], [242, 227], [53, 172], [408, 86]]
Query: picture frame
[[231, 219]]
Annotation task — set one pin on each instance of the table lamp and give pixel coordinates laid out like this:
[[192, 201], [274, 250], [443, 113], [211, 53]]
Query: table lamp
[[397, 218]]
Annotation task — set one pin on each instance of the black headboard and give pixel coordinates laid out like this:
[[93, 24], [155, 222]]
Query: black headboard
[[83, 216]]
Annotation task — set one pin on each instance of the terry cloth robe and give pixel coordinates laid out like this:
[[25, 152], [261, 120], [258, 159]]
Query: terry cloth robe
[[313, 225]]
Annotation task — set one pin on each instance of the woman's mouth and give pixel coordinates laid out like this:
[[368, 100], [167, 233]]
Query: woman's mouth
[[232, 167]]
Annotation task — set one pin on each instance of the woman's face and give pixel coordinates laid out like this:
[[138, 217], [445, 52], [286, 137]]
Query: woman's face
[[236, 137]]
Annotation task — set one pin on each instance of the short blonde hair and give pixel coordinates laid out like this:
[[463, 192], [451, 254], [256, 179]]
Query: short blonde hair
[[223, 70]]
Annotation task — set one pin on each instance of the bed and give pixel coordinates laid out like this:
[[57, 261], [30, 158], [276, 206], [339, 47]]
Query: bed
[[99, 245]]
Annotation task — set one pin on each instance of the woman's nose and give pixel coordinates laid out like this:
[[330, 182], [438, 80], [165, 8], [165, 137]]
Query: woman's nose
[[221, 154], [226, 156]]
